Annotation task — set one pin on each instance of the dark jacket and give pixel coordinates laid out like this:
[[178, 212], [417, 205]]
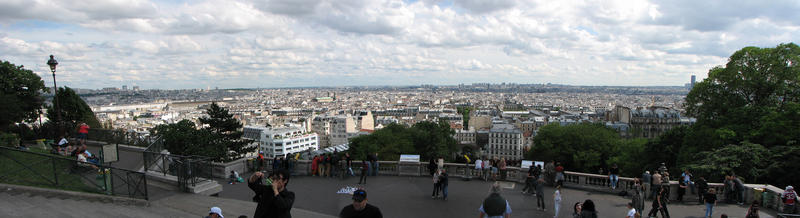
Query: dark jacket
[[270, 205]]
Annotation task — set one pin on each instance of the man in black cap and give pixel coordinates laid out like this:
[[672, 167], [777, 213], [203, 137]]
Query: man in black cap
[[360, 208]]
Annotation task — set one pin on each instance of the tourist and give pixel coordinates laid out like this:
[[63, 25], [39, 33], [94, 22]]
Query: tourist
[[540, 195], [576, 210], [631, 211], [613, 175], [752, 212], [702, 188], [656, 184], [232, 177], [63, 145], [537, 172], [665, 184], [637, 200], [487, 167], [276, 164], [261, 161], [215, 212], [660, 204], [374, 164], [83, 133], [502, 167], [495, 163], [479, 167], [646, 182], [789, 198], [83, 160], [440, 163], [364, 171], [556, 200], [739, 185], [559, 175], [529, 180], [436, 184], [328, 164], [710, 199], [588, 210], [432, 166], [681, 190], [275, 201], [730, 189], [314, 165], [663, 168], [360, 208], [349, 163], [443, 183], [550, 172], [495, 206], [335, 164], [686, 176]]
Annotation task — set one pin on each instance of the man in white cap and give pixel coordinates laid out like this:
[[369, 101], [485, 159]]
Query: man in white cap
[[215, 212], [789, 197]]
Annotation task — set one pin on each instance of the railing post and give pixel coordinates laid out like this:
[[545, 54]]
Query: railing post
[[55, 171]]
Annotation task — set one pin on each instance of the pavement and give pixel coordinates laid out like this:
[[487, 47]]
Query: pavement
[[411, 197]]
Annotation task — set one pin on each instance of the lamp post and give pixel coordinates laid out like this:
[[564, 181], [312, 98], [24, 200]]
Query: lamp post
[[52, 62]]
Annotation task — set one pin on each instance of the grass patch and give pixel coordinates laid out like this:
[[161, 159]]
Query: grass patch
[[39, 169]]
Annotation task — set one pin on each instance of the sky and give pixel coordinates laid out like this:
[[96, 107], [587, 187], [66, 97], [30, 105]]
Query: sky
[[175, 44]]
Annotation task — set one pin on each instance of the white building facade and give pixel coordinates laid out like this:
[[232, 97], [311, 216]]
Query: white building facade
[[505, 141], [282, 141]]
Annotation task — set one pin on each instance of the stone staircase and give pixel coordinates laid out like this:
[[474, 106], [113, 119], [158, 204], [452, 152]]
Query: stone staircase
[[21, 204]]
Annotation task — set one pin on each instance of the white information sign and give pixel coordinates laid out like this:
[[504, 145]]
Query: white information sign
[[409, 158]]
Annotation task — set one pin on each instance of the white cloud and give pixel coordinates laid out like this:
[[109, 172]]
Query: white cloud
[[263, 43]]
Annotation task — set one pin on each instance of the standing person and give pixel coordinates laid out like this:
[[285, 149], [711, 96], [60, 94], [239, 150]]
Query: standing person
[[576, 210], [275, 200], [495, 163], [529, 180], [656, 184], [374, 164], [752, 212], [83, 133], [314, 165], [665, 184], [556, 200], [739, 189], [364, 172], [550, 172], [349, 163], [502, 168], [328, 164], [789, 198], [432, 166], [479, 167], [702, 188], [537, 172], [730, 189], [613, 175], [588, 210], [335, 167], [559, 175], [261, 161], [440, 163], [681, 190], [443, 183], [360, 208], [540, 195], [436, 184], [487, 169], [276, 164], [710, 199], [495, 206], [638, 195], [646, 182], [663, 168], [631, 211]]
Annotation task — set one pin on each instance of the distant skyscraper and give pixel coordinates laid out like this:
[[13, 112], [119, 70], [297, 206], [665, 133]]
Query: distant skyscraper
[[694, 78], [124, 88]]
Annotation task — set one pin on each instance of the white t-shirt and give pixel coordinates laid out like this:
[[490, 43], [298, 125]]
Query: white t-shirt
[[478, 163], [631, 213], [557, 196], [63, 141]]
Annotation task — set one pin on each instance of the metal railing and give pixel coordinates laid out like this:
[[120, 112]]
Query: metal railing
[[50, 171], [118, 136], [189, 170]]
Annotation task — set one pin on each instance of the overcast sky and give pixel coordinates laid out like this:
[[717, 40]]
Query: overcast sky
[[172, 44]]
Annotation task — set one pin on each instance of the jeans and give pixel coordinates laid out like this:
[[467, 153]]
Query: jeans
[[436, 187], [374, 168], [614, 178], [557, 205], [540, 200], [444, 190], [363, 177], [709, 209]]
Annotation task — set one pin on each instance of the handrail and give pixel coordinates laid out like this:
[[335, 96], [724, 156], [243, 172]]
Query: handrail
[[70, 174]]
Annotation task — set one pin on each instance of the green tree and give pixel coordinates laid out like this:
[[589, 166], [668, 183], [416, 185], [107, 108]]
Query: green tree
[[183, 138], [73, 109], [20, 94], [428, 139], [754, 84], [747, 160], [226, 132], [583, 147]]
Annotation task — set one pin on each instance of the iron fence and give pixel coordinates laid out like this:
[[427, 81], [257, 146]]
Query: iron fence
[[50, 171], [189, 170]]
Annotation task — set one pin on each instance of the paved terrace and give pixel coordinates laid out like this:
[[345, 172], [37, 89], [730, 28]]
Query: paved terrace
[[410, 197]]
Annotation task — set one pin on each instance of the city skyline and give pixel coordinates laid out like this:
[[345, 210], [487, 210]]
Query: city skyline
[[319, 43]]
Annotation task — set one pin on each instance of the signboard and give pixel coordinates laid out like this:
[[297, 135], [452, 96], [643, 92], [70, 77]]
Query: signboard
[[409, 158], [526, 164], [110, 153]]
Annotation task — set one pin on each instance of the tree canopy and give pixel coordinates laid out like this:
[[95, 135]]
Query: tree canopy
[[72, 108], [428, 139], [226, 131], [20, 94]]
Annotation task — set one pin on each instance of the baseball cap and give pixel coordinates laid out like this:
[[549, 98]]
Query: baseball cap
[[217, 211], [359, 195]]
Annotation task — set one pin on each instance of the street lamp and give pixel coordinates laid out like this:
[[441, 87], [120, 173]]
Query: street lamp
[[52, 62]]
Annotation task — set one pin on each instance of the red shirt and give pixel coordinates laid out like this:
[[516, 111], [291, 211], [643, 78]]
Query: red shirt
[[84, 129], [559, 169]]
